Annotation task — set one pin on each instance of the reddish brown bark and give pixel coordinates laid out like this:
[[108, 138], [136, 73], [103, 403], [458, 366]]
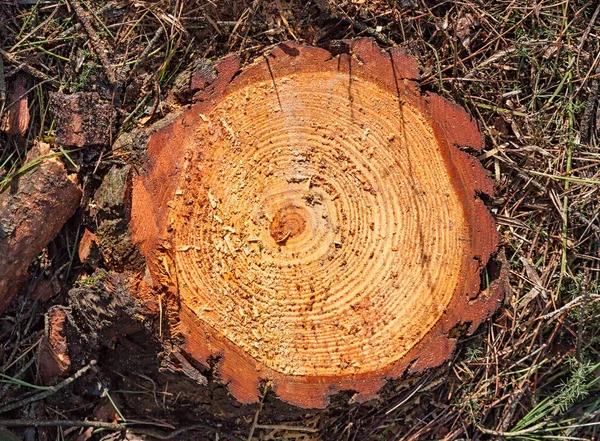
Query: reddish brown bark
[[54, 361], [88, 251], [32, 211], [16, 120]]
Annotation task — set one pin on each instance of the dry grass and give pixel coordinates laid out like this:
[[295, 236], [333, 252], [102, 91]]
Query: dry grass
[[529, 71]]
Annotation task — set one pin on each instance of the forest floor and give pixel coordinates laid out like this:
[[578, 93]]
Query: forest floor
[[527, 70]]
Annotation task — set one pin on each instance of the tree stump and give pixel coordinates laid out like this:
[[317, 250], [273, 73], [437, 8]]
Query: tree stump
[[316, 222]]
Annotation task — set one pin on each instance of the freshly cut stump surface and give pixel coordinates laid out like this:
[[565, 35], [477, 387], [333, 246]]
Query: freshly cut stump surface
[[317, 222]]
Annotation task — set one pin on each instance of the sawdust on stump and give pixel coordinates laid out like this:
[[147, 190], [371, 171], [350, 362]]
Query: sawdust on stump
[[317, 223]]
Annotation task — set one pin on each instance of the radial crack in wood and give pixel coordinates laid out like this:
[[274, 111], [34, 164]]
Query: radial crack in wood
[[316, 223]]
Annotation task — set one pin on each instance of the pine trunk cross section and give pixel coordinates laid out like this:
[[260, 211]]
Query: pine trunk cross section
[[318, 222]]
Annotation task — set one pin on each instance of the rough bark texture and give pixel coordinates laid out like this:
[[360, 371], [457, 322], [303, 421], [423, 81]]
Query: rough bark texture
[[112, 202], [314, 221], [16, 121], [32, 211], [54, 361], [108, 323], [82, 119]]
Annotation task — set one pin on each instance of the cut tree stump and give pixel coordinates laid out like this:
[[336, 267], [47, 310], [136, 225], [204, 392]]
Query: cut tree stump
[[316, 222]]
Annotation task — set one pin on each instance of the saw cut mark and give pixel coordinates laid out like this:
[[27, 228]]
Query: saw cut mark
[[324, 228]]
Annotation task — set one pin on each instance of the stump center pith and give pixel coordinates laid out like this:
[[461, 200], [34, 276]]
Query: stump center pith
[[289, 223]]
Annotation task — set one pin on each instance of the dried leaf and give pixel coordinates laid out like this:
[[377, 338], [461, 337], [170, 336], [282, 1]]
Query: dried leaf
[[464, 26]]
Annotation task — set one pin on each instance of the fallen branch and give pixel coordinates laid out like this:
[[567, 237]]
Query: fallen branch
[[97, 43], [42, 198], [27, 68], [48, 392]]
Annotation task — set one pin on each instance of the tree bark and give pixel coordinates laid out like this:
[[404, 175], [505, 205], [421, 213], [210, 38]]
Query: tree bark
[[32, 212]]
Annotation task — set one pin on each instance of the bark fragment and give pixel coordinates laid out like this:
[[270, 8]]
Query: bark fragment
[[31, 213], [54, 361], [88, 250], [16, 120], [82, 119]]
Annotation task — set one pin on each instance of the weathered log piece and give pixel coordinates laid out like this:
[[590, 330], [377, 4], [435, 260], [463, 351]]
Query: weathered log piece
[[32, 212]]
